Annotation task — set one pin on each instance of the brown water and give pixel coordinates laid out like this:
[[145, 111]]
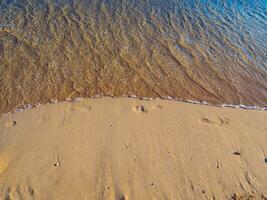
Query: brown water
[[196, 49]]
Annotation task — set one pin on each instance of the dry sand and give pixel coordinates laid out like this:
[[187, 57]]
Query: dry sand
[[132, 149]]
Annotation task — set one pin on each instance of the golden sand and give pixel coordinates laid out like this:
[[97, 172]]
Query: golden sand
[[123, 149]]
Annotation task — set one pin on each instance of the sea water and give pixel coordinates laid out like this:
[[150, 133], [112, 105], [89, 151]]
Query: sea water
[[203, 50]]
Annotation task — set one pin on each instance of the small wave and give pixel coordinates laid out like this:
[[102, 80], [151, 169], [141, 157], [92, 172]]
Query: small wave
[[168, 98]]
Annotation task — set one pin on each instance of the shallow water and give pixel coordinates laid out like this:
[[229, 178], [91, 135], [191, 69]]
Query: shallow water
[[191, 49]]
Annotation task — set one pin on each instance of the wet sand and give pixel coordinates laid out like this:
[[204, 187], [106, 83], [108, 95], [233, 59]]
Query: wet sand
[[121, 149]]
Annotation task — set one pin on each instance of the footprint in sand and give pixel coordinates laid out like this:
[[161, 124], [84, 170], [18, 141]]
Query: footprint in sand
[[140, 109], [8, 123], [146, 109], [219, 121]]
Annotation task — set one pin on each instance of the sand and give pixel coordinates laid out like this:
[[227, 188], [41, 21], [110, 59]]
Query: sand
[[119, 148]]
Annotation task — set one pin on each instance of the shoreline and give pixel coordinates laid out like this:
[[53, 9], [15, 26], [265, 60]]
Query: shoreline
[[168, 98]]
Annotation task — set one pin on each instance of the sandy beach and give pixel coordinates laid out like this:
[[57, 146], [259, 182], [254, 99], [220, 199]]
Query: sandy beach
[[127, 149], [133, 100]]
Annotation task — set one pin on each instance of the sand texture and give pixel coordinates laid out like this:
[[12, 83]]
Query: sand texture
[[129, 149]]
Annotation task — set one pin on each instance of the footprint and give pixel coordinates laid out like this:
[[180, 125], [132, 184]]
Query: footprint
[[140, 109], [205, 120], [8, 123], [219, 121], [224, 121]]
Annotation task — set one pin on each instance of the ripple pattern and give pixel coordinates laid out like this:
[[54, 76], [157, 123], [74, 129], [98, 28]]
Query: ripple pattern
[[191, 49]]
